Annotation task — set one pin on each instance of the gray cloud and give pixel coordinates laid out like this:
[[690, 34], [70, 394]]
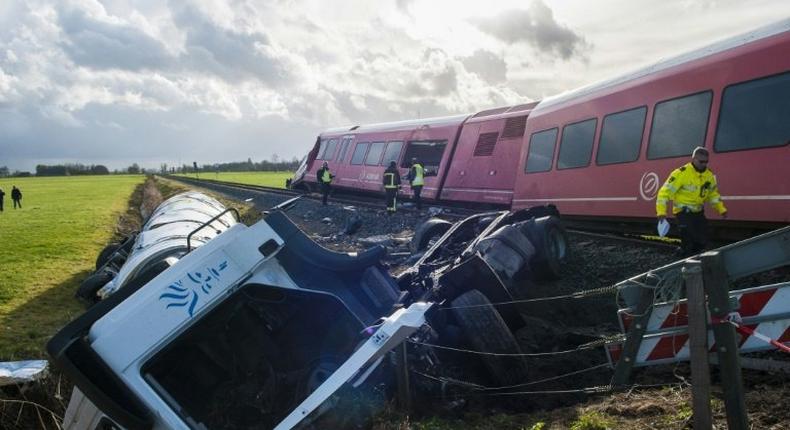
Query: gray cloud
[[535, 26], [109, 45], [489, 66]]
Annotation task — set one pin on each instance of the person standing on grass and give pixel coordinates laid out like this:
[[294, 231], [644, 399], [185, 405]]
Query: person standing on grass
[[16, 196], [688, 188], [324, 177], [2, 196]]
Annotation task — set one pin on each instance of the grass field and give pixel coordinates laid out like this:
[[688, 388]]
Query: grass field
[[266, 179], [47, 248]]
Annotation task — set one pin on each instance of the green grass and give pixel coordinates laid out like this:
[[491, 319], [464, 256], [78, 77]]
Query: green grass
[[266, 179], [47, 248]]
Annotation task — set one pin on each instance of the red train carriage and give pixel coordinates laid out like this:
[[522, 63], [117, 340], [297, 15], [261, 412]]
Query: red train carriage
[[471, 158], [605, 150]]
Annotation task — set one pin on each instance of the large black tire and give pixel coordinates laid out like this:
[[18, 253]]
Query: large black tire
[[91, 285], [551, 247], [105, 254], [431, 229], [486, 331]]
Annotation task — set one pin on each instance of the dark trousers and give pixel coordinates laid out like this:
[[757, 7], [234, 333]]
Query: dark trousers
[[325, 189], [417, 189], [18, 202], [1, 204], [693, 228], [391, 194]]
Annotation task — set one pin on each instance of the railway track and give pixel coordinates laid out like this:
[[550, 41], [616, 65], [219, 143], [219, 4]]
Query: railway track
[[450, 212]]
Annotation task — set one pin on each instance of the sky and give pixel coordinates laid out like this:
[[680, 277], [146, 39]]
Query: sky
[[117, 82]]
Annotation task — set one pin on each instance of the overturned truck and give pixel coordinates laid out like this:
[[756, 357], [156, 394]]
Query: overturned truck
[[260, 326]]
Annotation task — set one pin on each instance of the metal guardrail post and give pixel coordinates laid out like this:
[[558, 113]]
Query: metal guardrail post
[[404, 383], [633, 340], [698, 344], [717, 286]]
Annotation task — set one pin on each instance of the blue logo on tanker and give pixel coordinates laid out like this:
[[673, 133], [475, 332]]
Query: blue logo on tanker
[[186, 292]]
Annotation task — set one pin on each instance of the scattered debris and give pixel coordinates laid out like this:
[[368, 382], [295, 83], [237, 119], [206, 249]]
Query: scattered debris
[[18, 372]]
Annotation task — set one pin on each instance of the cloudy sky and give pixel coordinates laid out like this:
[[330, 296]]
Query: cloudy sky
[[151, 81]]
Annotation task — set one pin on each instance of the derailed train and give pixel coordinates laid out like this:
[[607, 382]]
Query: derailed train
[[601, 151]]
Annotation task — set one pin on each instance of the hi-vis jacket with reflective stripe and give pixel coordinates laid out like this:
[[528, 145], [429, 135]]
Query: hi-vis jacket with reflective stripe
[[689, 189], [391, 178], [417, 175], [324, 175]]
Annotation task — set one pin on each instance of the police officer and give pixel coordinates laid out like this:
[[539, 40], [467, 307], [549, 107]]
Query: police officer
[[689, 187], [391, 185], [324, 177], [417, 180]]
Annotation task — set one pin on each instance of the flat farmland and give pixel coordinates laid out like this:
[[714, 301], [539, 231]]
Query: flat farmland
[[47, 248], [266, 179]]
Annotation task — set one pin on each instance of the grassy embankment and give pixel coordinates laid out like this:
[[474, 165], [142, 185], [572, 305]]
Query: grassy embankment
[[266, 179], [47, 248]]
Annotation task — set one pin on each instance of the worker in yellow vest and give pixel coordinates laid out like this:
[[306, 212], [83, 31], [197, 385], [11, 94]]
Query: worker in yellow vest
[[391, 186], [324, 177], [689, 187], [417, 180]]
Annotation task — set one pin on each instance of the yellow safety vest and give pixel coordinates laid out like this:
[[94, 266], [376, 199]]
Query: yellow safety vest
[[689, 189], [419, 173], [389, 180], [326, 177]]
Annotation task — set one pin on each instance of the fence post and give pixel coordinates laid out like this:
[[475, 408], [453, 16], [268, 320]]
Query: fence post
[[717, 286], [698, 344], [633, 340], [404, 384]]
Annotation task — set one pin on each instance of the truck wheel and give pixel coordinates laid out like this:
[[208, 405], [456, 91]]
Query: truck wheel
[[431, 229], [551, 248], [105, 254], [486, 331], [91, 285]]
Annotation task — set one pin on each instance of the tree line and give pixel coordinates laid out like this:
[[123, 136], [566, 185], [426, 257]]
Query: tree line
[[78, 169]]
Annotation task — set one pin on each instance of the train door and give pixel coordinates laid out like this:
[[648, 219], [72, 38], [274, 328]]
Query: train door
[[430, 153], [341, 164]]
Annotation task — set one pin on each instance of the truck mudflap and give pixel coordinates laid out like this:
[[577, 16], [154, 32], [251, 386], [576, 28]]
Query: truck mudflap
[[393, 331]]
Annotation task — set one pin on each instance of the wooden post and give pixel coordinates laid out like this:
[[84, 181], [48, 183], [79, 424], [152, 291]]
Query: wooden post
[[633, 340], [404, 384], [698, 345], [717, 286]]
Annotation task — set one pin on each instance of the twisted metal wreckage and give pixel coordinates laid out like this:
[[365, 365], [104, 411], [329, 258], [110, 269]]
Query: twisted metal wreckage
[[260, 326]]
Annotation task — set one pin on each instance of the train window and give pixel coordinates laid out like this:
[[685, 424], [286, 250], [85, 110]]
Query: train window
[[576, 144], [755, 114], [679, 126], [322, 150], [327, 152], [541, 151], [621, 136], [429, 152], [343, 149], [359, 153], [374, 154], [392, 153]]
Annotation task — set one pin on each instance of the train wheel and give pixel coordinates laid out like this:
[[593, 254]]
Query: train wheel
[[91, 285], [429, 230], [486, 331], [105, 254], [551, 245]]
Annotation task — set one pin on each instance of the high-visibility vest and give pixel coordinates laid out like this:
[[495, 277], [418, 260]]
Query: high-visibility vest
[[326, 177], [419, 175], [689, 189], [389, 180]]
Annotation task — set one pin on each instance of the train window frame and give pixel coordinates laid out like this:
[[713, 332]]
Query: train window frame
[[408, 154], [331, 143], [377, 162], [720, 110], [641, 136], [592, 143], [365, 145], [653, 124], [344, 144], [386, 149], [556, 131]]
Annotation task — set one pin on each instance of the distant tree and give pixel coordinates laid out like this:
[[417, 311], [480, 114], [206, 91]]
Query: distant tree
[[4, 171], [134, 169], [100, 170], [275, 158], [163, 168]]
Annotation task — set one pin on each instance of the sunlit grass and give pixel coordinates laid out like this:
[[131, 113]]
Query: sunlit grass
[[47, 248], [266, 179]]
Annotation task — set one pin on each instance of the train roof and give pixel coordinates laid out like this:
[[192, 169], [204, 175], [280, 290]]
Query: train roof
[[715, 48], [485, 115]]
